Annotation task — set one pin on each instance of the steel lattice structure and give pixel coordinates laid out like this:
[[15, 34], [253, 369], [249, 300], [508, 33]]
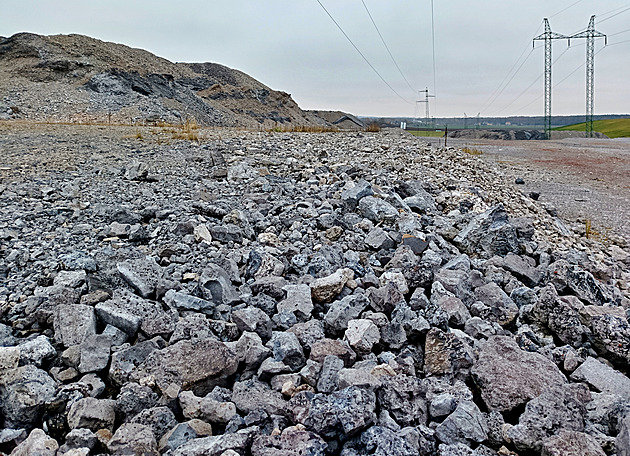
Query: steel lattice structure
[[547, 37], [590, 34]]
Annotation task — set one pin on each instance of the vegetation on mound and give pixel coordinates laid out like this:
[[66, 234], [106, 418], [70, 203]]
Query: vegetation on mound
[[613, 128], [427, 133]]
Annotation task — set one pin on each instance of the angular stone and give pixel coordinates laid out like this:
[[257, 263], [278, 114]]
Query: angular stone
[[602, 378], [404, 397], [465, 425], [326, 288], [509, 377], [9, 358], [377, 210], [587, 288], [291, 442], [177, 436], [192, 365], [344, 310], [489, 233], [571, 443], [134, 398], [622, 442], [133, 439], [395, 278], [37, 444], [524, 270], [92, 414], [159, 419], [353, 192], [125, 361], [73, 323], [378, 239], [252, 319], [217, 445], [142, 274], [497, 306], [329, 375], [445, 353], [24, 391], [206, 408], [308, 332], [70, 279], [215, 286], [251, 395], [362, 335], [286, 348], [298, 301], [35, 351], [335, 347], [113, 314], [421, 202], [95, 353], [182, 301]]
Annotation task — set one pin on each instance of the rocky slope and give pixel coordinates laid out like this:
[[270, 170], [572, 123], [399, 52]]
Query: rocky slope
[[79, 79], [292, 294]]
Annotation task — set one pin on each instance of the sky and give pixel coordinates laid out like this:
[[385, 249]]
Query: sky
[[475, 57]]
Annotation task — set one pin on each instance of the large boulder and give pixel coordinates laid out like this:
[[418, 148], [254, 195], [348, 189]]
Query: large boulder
[[24, 392], [489, 234], [509, 377]]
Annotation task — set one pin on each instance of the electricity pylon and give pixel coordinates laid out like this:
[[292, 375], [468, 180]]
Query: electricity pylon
[[426, 100], [590, 34], [548, 36]]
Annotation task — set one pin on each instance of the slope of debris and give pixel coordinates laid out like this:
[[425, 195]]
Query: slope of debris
[[297, 294], [75, 78]]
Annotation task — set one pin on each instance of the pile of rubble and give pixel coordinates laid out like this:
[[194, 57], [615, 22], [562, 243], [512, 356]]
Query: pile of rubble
[[276, 294]]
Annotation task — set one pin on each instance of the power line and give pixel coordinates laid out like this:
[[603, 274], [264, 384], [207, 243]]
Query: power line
[[361, 54], [387, 47], [433, 44], [563, 10], [616, 14]]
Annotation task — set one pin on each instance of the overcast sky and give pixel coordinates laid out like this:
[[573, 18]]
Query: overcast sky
[[294, 46]]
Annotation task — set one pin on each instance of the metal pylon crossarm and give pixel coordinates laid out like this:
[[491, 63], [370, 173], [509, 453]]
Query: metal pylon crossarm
[[547, 36], [590, 34]]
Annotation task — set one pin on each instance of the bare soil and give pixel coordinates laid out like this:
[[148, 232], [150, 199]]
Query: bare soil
[[584, 179]]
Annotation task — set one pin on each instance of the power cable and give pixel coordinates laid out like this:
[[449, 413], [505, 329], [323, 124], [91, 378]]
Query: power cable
[[362, 55], [614, 15], [563, 10], [433, 44], [387, 47]]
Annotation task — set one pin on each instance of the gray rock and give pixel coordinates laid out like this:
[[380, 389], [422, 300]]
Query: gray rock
[[421, 202], [335, 347], [457, 281], [192, 327], [559, 408], [571, 443], [216, 445], [377, 210], [79, 438], [442, 405], [125, 361], [497, 306], [509, 377], [111, 313], [353, 192], [93, 414], [344, 310], [142, 274], [35, 351], [587, 288], [159, 419], [133, 439], [227, 233], [611, 337], [70, 279], [361, 335], [308, 332], [489, 233], [252, 319], [206, 408], [74, 323], [133, 399], [446, 353], [622, 442], [524, 268], [602, 378], [95, 353], [182, 301], [329, 374], [348, 411], [252, 394], [250, 352], [286, 348], [117, 336], [465, 425], [381, 441], [291, 442], [177, 436], [24, 391], [155, 321], [326, 288], [37, 444], [95, 386], [198, 365], [298, 301], [404, 397], [78, 260], [358, 377], [215, 286], [378, 239]]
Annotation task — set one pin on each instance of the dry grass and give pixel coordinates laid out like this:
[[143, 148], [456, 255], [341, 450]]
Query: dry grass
[[187, 130], [472, 151], [304, 129], [373, 128]]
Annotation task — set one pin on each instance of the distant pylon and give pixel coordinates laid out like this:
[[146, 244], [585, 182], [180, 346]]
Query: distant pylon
[[547, 36], [426, 100], [590, 34]]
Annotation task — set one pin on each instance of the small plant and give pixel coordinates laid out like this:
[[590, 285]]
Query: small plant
[[187, 130], [473, 151], [373, 128], [588, 231]]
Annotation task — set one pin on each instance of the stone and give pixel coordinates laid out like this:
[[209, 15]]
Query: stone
[[611, 337], [361, 335], [134, 398], [95, 352], [571, 443], [252, 319], [404, 397], [218, 445], [523, 269], [70, 279], [494, 305], [73, 323], [353, 192], [9, 358], [93, 414], [112, 313], [397, 279], [215, 286], [197, 365], [622, 442], [335, 347], [206, 408], [159, 419], [362, 378], [298, 301], [445, 353], [133, 439], [602, 378], [382, 441], [291, 442], [125, 361], [308, 332], [252, 394], [326, 288], [587, 288], [35, 351], [489, 233], [286, 348], [37, 443], [349, 411], [509, 377], [376, 209], [559, 408], [142, 274], [422, 202], [24, 391], [344, 310], [329, 374], [79, 438], [378, 239], [465, 425], [182, 301], [177, 436]]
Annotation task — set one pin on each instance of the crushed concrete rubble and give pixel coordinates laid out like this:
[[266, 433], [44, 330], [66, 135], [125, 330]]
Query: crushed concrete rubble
[[320, 294]]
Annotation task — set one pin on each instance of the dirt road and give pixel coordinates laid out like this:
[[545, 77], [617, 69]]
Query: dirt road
[[585, 179]]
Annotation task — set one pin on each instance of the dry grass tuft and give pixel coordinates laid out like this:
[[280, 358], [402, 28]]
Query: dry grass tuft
[[187, 131], [373, 128], [304, 129], [472, 151]]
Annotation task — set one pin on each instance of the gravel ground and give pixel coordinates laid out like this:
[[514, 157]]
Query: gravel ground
[[585, 179]]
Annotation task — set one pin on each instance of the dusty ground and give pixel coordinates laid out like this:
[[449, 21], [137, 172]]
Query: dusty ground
[[585, 179]]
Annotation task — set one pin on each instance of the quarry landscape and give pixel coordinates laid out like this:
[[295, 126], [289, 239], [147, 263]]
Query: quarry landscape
[[190, 264]]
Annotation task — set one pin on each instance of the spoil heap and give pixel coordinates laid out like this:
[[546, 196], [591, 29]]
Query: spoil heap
[[276, 294]]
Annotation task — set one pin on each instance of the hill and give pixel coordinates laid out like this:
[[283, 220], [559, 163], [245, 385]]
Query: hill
[[613, 128], [78, 78]]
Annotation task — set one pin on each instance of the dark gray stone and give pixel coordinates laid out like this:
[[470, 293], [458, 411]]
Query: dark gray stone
[[352, 193], [183, 301], [74, 323], [286, 348], [142, 274], [253, 319], [377, 210], [404, 397], [489, 233], [497, 306], [602, 378], [95, 353], [133, 399], [92, 414], [465, 425], [291, 442], [329, 374], [571, 443], [159, 419], [133, 439], [24, 391]]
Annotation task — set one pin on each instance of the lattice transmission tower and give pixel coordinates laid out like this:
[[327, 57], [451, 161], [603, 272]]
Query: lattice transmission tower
[[590, 34], [547, 37]]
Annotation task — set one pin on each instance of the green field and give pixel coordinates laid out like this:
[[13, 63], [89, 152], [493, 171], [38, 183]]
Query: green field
[[427, 133], [613, 128]]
